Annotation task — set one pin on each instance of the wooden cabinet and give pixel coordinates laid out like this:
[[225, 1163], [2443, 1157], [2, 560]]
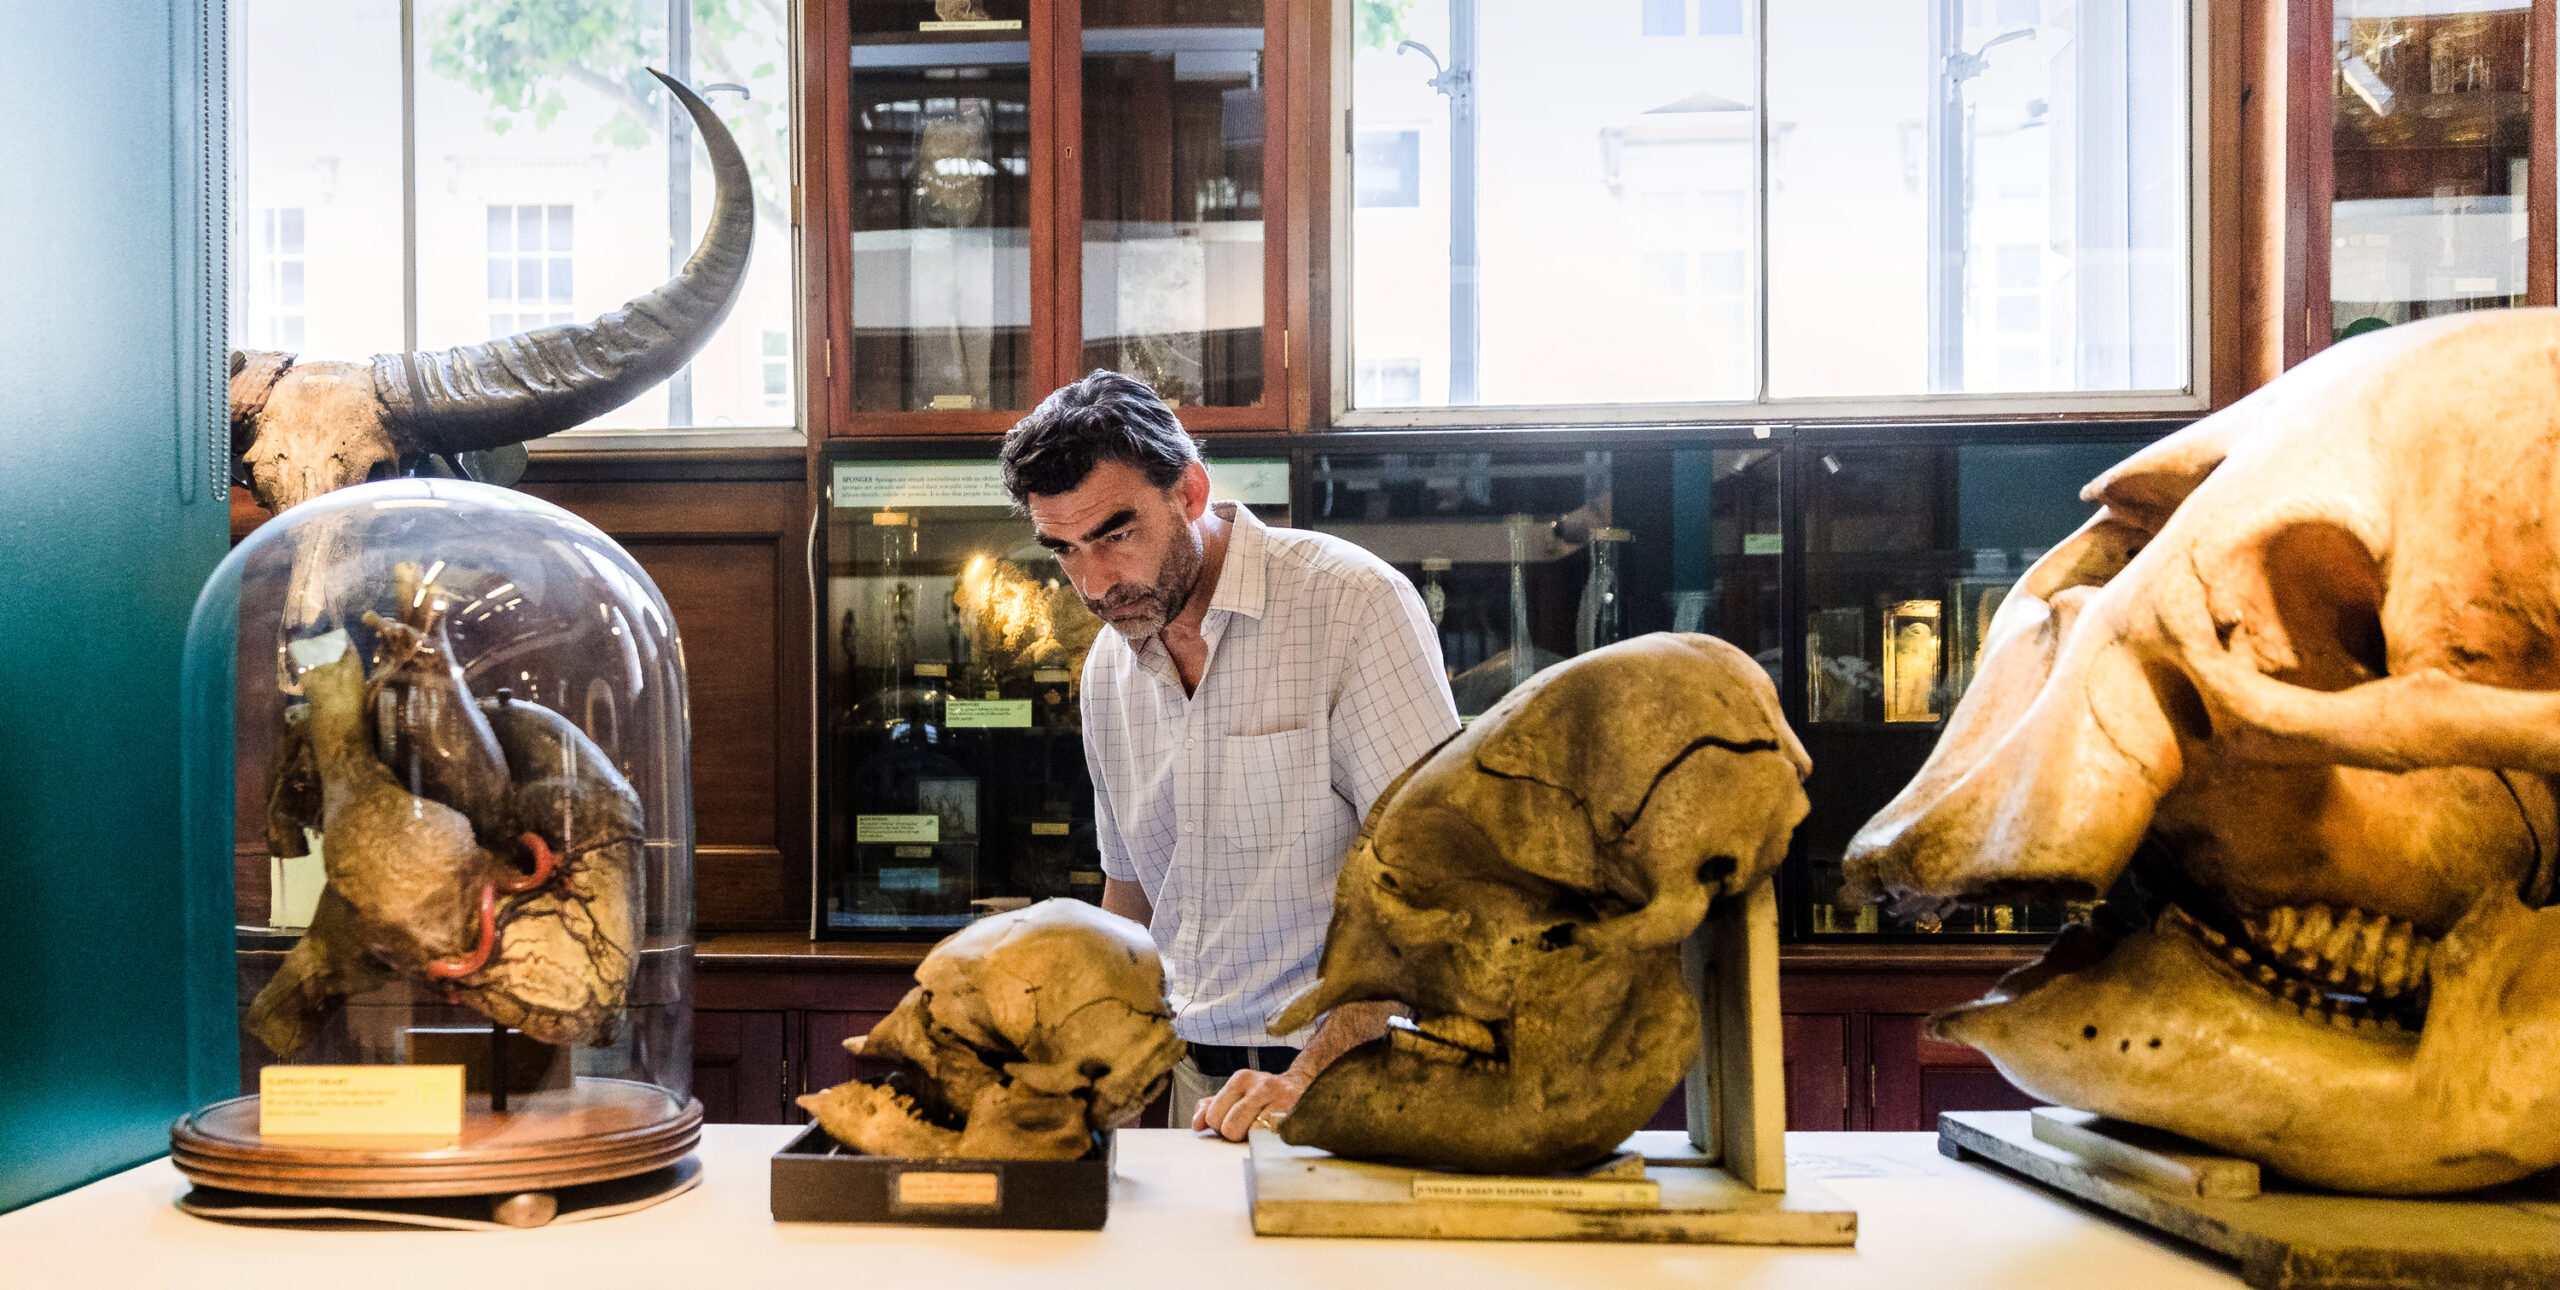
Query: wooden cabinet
[[1858, 1055], [741, 1067], [995, 207], [2396, 161]]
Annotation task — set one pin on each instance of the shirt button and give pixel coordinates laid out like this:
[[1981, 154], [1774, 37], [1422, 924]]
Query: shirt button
[[1186, 741], [1190, 827]]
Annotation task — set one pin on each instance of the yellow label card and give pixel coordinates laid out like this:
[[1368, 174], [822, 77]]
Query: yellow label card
[[987, 714], [360, 1102], [897, 828]]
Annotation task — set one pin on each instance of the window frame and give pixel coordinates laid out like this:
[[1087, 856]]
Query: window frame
[[1763, 410]]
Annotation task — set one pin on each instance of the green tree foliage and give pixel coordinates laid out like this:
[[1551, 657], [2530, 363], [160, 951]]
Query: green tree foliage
[[1378, 24], [523, 57]]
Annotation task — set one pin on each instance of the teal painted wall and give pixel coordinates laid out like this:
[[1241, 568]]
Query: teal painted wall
[[111, 515]]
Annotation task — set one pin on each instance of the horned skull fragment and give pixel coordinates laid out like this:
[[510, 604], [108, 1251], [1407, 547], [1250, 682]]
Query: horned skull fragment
[[1027, 1033], [1524, 890], [2290, 697], [302, 428]]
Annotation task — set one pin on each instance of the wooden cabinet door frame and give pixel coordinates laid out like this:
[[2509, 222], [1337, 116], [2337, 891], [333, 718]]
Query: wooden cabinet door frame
[[824, 208], [2309, 174], [1067, 93]]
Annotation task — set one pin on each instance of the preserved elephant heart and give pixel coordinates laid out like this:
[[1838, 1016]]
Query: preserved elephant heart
[[486, 848]]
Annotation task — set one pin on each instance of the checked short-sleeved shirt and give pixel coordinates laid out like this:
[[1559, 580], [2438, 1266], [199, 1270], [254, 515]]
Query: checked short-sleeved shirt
[[1232, 807]]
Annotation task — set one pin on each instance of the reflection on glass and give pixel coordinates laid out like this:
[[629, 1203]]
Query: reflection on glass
[[2433, 130], [941, 209], [1976, 198], [1553, 204], [953, 779], [1910, 554], [1524, 558], [1173, 203]]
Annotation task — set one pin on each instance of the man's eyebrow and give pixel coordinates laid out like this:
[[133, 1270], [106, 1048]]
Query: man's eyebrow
[[1117, 519]]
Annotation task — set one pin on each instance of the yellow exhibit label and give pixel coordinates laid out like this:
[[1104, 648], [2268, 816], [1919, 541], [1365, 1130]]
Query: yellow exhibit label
[[360, 1102], [1048, 828], [897, 828], [1589, 1193], [976, 1189], [1052, 675], [986, 714]]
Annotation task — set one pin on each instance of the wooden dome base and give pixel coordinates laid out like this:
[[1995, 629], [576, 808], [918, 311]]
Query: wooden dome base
[[594, 1130]]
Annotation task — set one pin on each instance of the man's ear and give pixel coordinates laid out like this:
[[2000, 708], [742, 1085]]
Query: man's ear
[[1194, 488]]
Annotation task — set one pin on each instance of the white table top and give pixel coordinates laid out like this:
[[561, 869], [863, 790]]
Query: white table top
[[1178, 1211]]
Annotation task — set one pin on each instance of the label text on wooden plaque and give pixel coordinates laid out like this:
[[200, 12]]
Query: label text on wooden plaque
[[1591, 1192], [975, 1189]]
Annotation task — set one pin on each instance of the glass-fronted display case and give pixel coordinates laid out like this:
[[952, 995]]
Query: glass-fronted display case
[[952, 777], [1862, 567], [1173, 165], [940, 165], [1910, 544], [2431, 150], [1034, 191], [1526, 556]]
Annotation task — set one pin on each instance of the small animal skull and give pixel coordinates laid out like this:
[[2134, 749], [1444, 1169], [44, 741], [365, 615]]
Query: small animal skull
[[2290, 695], [1027, 1033], [1525, 888]]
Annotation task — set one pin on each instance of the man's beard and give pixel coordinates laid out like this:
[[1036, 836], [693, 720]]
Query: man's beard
[[1148, 609]]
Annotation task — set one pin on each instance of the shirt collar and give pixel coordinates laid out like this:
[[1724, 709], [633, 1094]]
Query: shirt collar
[[1240, 574]]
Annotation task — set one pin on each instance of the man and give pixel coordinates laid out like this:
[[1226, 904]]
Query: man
[[1259, 688]]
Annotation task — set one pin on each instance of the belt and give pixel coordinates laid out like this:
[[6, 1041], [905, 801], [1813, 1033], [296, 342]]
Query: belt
[[1217, 1061]]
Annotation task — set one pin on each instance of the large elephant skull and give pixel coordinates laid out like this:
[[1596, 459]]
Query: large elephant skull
[[1525, 889], [2293, 696], [300, 429]]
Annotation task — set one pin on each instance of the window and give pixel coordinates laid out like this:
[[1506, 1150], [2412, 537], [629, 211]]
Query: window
[[550, 180], [530, 267], [777, 368], [273, 287], [1389, 382], [1972, 206], [1390, 168]]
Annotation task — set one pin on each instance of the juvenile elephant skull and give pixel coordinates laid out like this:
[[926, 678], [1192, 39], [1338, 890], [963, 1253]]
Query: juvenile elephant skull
[[2297, 683], [1525, 889], [1027, 1032]]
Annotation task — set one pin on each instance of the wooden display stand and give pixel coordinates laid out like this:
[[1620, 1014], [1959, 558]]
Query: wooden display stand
[[595, 1131], [1724, 1182], [2286, 1236]]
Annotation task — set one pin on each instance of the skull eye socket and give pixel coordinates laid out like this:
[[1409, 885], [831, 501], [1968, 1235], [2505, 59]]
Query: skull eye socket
[[2325, 590]]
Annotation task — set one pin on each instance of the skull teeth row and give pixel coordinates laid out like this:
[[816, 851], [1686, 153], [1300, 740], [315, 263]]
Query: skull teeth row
[[2375, 1015], [1445, 1038], [2348, 949]]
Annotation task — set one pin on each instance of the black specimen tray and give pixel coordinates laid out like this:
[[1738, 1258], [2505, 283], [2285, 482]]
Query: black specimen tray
[[819, 1180]]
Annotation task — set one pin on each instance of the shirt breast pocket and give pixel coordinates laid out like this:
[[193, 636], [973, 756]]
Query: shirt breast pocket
[[1273, 790]]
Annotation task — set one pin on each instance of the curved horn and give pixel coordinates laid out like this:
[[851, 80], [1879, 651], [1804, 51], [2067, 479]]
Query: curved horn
[[476, 397]]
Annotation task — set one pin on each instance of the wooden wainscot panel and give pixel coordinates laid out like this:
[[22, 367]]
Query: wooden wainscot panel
[[727, 555]]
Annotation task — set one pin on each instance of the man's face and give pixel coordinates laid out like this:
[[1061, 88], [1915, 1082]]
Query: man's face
[[1128, 546]]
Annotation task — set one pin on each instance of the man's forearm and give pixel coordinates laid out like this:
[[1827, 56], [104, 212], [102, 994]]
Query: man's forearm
[[1128, 900], [1342, 1030]]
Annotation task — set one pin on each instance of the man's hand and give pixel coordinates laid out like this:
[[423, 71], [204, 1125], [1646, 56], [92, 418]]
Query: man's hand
[[1248, 1097]]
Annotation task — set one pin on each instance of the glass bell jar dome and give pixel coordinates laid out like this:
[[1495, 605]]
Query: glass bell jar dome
[[448, 723]]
